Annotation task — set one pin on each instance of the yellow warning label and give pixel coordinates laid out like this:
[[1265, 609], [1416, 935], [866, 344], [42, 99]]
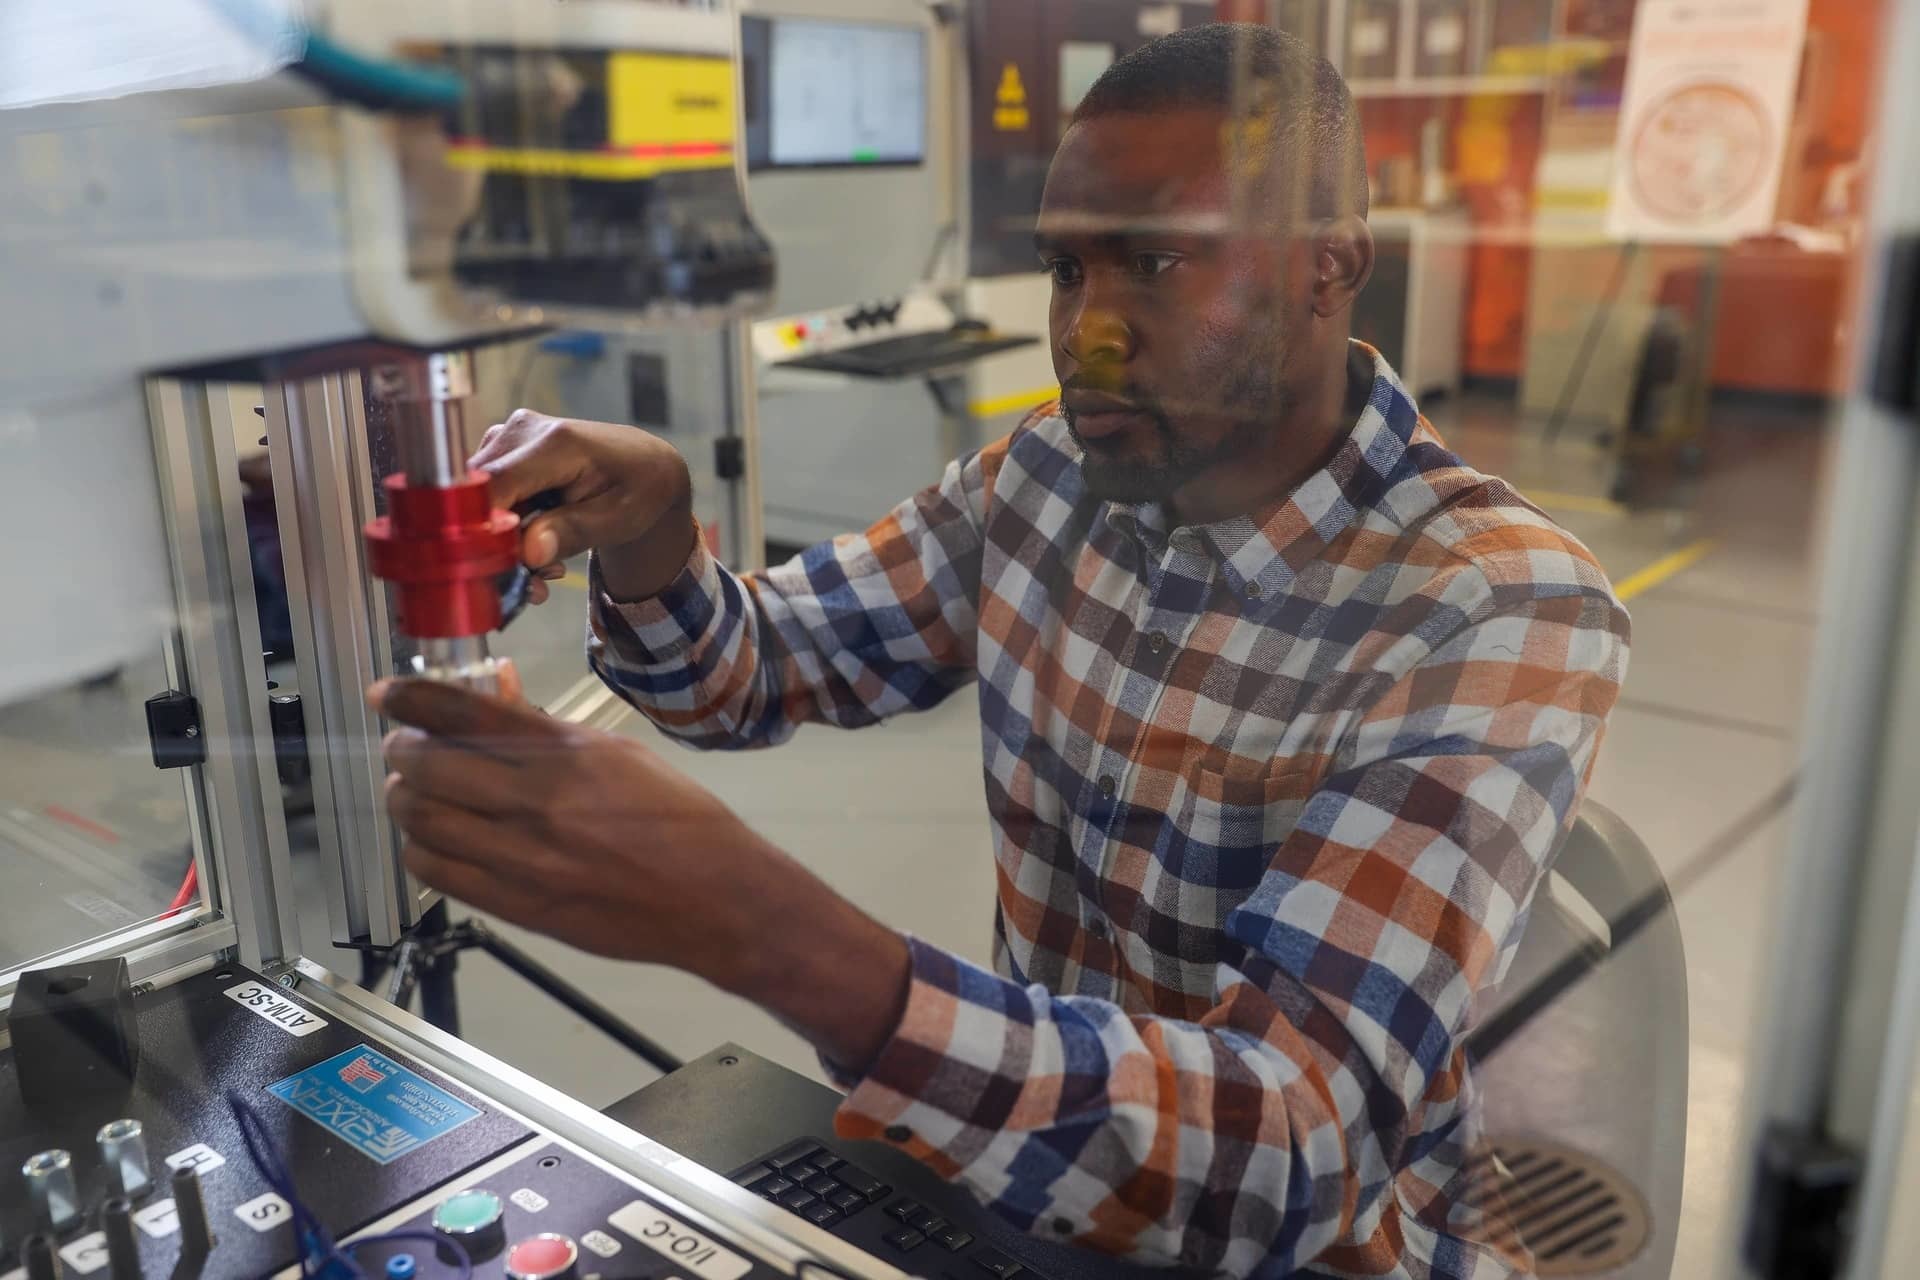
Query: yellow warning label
[[1010, 115], [1012, 92], [665, 98]]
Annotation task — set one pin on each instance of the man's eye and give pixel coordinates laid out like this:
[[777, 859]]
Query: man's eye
[[1065, 271], [1153, 264]]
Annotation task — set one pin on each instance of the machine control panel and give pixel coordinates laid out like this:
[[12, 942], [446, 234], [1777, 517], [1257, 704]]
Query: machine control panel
[[836, 329], [162, 1176]]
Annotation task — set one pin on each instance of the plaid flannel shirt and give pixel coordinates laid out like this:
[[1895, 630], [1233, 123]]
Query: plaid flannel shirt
[[1270, 799]]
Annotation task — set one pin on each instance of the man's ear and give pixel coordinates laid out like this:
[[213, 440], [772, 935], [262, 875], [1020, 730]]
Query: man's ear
[[1342, 263]]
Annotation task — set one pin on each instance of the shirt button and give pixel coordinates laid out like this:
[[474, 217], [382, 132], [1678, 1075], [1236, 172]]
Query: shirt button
[[898, 1133], [1157, 641], [1253, 591], [1107, 785], [1098, 928], [1062, 1226]]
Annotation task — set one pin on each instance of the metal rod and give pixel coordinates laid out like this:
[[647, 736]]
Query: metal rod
[[585, 1006], [429, 396]]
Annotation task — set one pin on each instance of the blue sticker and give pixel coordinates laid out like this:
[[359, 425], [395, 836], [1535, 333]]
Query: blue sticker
[[372, 1103]]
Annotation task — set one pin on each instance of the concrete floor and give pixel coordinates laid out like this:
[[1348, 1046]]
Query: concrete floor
[[1714, 698]]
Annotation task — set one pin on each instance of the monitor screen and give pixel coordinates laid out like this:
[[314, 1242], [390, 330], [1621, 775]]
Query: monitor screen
[[841, 93]]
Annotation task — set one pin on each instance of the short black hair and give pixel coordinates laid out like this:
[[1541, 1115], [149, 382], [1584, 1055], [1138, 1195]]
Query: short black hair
[[1257, 74]]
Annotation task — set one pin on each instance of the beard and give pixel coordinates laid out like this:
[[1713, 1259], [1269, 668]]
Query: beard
[[1252, 400]]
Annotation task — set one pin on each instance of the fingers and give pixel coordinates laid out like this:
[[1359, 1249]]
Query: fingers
[[538, 591], [495, 726], [524, 461], [512, 688], [578, 527], [470, 882], [442, 770], [455, 831]]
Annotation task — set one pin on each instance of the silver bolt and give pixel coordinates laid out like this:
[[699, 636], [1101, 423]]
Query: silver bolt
[[287, 980], [123, 1149], [51, 1187]]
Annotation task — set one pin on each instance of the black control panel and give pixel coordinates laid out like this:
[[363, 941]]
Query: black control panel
[[548, 1212], [137, 1165]]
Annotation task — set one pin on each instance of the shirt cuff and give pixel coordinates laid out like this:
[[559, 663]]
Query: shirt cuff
[[663, 627], [920, 1093]]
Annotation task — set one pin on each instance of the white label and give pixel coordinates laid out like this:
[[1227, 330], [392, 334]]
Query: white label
[[675, 1240], [601, 1243], [87, 1254], [1157, 20], [199, 1157], [161, 1218], [529, 1199], [1446, 35], [264, 1213], [270, 1004]]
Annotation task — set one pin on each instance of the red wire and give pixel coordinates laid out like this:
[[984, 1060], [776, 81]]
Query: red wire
[[189, 889]]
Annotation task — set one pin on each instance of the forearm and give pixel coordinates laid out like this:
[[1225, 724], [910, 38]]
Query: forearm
[[646, 566], [815, 961]]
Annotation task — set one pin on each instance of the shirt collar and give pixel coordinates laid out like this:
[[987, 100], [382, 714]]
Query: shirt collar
[[1262, 553]]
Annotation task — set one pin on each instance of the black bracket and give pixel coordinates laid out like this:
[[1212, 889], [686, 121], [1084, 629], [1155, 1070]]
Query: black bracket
[[287, 716], [1798, 1226], [173, 730], [1896, 357], [729, 457]]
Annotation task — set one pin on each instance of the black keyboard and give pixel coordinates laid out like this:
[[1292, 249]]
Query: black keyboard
[[913, 354], [810, 1178]]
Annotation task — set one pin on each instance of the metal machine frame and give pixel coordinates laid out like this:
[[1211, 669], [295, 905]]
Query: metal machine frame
[[1837, 1051], [319, 445]]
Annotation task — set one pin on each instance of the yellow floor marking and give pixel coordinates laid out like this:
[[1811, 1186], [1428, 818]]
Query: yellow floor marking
[[1664, 568]]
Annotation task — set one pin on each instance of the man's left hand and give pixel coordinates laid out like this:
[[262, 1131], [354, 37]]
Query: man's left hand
[[597, 841]]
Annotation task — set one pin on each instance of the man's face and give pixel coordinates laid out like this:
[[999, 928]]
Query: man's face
[[1178, 318]]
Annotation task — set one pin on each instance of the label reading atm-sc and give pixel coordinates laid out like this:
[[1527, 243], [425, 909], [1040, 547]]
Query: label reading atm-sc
[[373, 1104]]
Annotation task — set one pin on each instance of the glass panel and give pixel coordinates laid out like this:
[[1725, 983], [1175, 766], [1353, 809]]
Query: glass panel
[[93, 838]]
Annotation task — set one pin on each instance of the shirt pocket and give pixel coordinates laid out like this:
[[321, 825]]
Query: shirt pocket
[[1241, 806]]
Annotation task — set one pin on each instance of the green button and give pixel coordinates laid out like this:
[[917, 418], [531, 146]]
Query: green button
[[466, 1212]]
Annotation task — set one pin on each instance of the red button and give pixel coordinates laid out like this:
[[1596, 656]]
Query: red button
[[542, 1257], [799, 331]]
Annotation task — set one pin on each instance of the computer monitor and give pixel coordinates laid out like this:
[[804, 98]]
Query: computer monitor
[[823, 94]]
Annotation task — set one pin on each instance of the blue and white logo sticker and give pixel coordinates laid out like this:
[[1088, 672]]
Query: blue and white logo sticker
[[373, 1104]]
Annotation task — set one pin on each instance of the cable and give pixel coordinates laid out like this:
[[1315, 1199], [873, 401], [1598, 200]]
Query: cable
[[378, 84], [375, 83], [189, 888], [320, 1257], [460, 1258]]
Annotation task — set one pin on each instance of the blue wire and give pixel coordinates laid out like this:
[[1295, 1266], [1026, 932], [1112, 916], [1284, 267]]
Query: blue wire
[[460, 1258], [320, 1256], [378, 84]]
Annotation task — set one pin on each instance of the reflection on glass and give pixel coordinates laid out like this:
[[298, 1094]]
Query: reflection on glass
[[93, 838]]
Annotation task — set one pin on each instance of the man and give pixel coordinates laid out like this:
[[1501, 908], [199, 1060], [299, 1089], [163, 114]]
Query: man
[[1285, 710]]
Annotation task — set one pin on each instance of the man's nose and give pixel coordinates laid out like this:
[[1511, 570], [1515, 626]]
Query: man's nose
[[1097, 334]]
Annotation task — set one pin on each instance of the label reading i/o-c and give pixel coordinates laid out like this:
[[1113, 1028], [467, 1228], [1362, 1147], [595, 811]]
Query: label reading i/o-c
[[272, 1005]]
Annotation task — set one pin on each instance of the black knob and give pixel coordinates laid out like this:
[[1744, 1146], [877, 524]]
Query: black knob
[[123, 1249], [41, 1253], [196, 1237]]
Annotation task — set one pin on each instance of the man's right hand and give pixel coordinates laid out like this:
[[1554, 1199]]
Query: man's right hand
[[624, 493]]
